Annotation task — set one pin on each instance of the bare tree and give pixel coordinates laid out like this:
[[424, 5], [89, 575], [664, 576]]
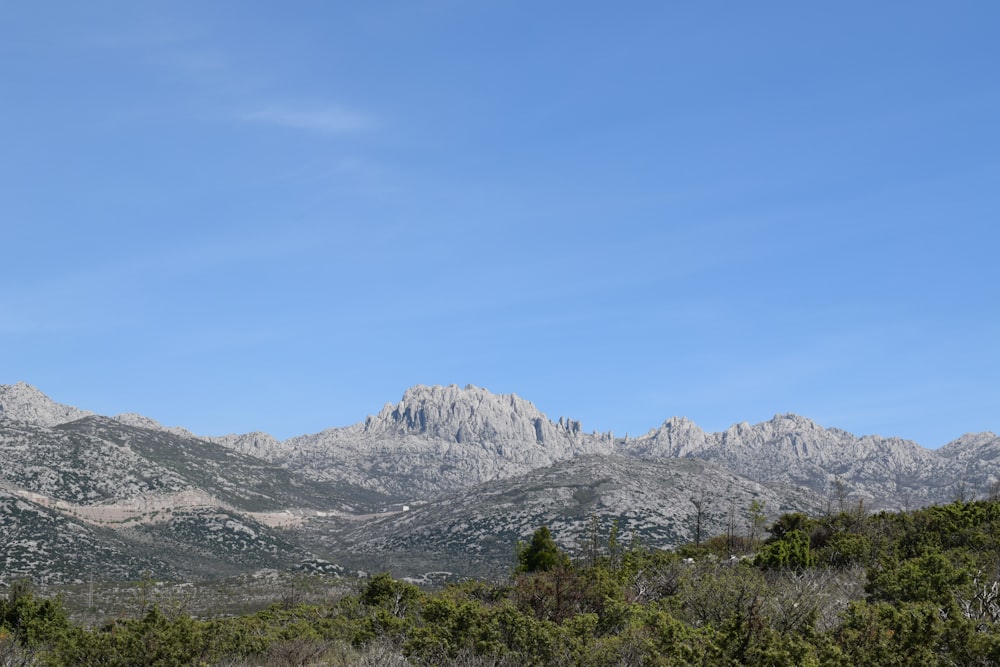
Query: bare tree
[[699, 516], [840, 494], [982, 603], [731, 526], [755, 522]]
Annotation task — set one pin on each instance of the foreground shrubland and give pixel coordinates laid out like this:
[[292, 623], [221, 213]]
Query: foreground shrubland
[[917, 588]]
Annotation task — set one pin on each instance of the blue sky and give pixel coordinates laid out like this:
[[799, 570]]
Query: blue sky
[[238, 216]]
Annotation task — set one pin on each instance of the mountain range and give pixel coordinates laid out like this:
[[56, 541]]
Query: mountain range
[[476, 471]]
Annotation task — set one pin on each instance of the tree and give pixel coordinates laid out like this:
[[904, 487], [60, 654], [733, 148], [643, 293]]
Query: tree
[[755, 522], [792, 550], [394, 596], [699, 516], [32, 620], [541, 554], [787, 523]]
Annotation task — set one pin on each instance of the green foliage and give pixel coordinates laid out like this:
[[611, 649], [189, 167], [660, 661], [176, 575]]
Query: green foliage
[[540, 554], [391, 595], [153, 640], [30, 620], [886, 634], [790, 550], [844, 549], [788, 523], [932, 579]]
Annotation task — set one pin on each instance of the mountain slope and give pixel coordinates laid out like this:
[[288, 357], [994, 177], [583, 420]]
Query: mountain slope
[[242, 481], [98, 498], [886, 472], [22, 402], [438, 439], [441, 439], [479, 470], [47, 546], [475, 530]]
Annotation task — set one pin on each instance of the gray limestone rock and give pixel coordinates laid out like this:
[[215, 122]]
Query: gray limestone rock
[[22, 402]]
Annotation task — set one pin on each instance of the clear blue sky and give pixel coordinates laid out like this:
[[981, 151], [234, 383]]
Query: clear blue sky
[[238, 216]]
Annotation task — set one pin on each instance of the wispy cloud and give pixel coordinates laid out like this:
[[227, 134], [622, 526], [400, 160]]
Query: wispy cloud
[[326, 119]]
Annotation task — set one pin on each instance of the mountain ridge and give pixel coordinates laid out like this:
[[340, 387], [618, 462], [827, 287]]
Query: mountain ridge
[[17, 401], [488, 466], [23, 402], [439, 439]]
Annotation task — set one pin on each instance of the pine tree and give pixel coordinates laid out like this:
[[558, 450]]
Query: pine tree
[[541, 554]]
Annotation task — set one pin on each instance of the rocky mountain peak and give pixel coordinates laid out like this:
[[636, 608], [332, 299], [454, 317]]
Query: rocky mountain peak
[[972, 446], [259, 444], [467, 414], [972, 440], [677, 436], [789, 421], [142, 421], [439, 438], [784, 431], [23, 402]]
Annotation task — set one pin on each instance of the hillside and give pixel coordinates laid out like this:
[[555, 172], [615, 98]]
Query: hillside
[[97, 497], [478, 471], [474, 531], [438, 440]]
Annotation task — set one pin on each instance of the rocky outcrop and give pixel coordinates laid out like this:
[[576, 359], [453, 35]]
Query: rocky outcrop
[[975, 458], [140, 421], [470, 415], [677, 437], [438, 439], [490, 467], [973, 447], [881, 472], [650, 500], [259, 444], [22, 402]]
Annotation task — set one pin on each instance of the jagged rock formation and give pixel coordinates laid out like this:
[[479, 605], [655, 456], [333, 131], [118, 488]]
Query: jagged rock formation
[[140, 421], [481, 466], [441, 439], [438, 439], [22, 402], [975, 457], [973, 448], [262, 445], [471, 415], [884, 472]]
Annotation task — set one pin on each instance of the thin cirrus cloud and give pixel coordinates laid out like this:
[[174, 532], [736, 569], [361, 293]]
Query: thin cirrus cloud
[[328, 119]]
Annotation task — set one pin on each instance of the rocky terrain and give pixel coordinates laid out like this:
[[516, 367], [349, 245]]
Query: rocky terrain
[[437, 440], [476, 471], [24, 403], [475, 530], [887, 473], [96, 496]]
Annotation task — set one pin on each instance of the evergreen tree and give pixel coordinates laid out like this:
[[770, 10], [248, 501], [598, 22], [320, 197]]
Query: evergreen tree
[[541, 554]]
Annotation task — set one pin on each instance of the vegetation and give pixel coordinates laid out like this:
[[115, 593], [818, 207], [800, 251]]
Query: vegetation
[[915, 588]]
